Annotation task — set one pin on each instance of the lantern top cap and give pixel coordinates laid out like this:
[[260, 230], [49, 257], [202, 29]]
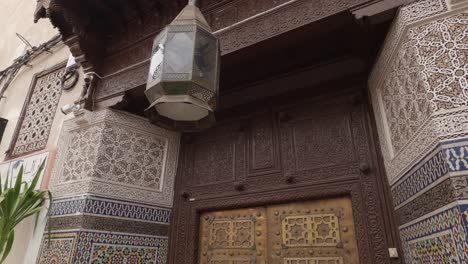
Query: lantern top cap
[[190, 15]]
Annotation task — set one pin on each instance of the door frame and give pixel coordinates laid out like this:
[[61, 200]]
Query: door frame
[[188, 221]]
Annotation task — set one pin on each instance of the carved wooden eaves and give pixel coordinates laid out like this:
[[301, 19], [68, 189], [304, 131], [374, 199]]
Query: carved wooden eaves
[[89, 26]]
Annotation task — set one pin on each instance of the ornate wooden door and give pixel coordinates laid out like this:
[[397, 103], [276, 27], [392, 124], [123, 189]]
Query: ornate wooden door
[[234, 237], [316, 232]]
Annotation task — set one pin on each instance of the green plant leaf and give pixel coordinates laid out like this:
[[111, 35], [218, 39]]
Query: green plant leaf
[[17, 203], [8, 246]]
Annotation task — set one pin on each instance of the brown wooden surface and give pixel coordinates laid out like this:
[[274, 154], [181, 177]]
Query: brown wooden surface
[[303, 146], [320, 231]]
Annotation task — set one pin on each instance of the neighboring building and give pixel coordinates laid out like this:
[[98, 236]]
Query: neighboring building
[[30, 107], [340, 135]]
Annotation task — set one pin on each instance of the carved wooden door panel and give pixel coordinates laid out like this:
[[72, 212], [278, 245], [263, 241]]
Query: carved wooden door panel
[[233, 237], [316, 232]]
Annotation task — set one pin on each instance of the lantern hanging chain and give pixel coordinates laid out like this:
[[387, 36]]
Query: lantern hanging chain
[[8, 75]]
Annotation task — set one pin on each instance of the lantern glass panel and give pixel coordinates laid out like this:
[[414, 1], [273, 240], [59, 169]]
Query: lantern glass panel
[[157, 59], [205, 59], [178, 52]]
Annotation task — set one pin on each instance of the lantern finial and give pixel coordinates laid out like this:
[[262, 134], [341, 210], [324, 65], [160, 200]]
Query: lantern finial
[[192, 2]]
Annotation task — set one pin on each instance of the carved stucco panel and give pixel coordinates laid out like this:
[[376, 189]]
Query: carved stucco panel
[[117, 155], [421, 74], [404, 97], [428, 74], [38, 115]]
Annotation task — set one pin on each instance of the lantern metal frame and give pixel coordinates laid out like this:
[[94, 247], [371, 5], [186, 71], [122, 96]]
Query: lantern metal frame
[[184, 73]]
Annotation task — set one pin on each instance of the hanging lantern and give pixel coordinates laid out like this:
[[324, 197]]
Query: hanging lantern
[[183, 77]]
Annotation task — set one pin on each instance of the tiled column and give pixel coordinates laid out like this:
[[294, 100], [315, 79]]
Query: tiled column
[[419, 89], [112, 188]]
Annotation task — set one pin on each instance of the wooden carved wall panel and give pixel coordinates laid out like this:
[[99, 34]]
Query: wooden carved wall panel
[[214, 161], [219, 157], [222, 16], [322, 143], [134, 54], [239, 24], [317, 142], [263, 146], [313, 145]]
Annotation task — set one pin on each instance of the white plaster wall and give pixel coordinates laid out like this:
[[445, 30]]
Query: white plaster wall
[[11, 106], [16, 16]]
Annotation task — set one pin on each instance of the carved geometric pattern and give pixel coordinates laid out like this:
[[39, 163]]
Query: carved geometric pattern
[[271, 23], [112, 153], [104, 253], [81, 156], [116, 155], [241, 23], [280, 233], [232, 237], [422, 9], [432, 169], [447, 191], [443, 49], [314, 230], [417, 57], [98, 247], [192, 242], [39, 113], [316, 260], [232, 234], [408, 14], [296, 231], [438, 238], [325, 230], [404, 97], [58, 249], [221, 234], [429, 74], [313, 147], [110, 208], [263, 156], [215, 158], [236, 11], [447, 157]]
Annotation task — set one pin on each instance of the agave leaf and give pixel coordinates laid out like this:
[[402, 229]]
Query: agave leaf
[[26, 215], [3, 241], [36, 177], [5, 187], [18, 182], [8, 246]]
